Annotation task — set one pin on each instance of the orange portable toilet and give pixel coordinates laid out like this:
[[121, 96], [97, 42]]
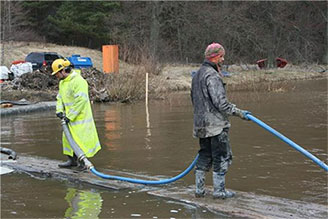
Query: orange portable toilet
[[110, 58]]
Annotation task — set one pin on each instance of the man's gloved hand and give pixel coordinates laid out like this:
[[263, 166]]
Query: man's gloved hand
[[66, 119], [60, 115], [242, 113]]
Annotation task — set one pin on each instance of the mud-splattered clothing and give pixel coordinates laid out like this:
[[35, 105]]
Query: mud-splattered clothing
[[211, 107], [211, 124], [215, 151]]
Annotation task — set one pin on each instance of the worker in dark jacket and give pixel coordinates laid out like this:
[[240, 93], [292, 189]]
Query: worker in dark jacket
[[211, 124]]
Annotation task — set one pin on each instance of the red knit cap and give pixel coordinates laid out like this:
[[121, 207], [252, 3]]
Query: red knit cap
[[213, 50]]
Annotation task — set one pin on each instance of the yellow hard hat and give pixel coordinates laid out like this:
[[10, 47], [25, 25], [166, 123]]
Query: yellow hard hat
[[59, 64]]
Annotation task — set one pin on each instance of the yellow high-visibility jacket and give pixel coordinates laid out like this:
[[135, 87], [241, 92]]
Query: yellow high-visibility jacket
[[73, 101]]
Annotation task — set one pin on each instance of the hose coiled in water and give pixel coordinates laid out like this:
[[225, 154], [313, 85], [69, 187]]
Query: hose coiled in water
[[146, 182], [80, 155]]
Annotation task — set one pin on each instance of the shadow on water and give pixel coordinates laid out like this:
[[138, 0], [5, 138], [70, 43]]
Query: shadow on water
[[160, 143]]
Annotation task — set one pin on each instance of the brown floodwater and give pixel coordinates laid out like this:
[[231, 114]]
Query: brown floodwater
[[159, 142]]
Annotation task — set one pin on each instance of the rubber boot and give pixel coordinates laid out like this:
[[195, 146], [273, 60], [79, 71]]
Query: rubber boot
[[81, 166], [219, 187], [200, 183], [71, 162]]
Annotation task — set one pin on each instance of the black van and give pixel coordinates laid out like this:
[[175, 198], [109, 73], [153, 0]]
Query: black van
[[42, 60]]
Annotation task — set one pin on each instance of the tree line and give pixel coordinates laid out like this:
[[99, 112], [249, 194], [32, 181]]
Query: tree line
[[176, 31]]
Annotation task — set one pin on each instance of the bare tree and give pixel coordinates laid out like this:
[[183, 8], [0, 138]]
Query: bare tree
[[178, 31]]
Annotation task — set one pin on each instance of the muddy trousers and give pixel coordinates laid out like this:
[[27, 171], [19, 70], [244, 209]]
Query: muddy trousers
[[214, 151]]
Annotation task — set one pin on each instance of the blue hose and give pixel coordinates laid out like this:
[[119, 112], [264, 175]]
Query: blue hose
[[81, 156], [146, 182], [288, 141]]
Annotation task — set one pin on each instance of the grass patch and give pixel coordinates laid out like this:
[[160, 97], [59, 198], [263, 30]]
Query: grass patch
[[129, 86], [274, 80]]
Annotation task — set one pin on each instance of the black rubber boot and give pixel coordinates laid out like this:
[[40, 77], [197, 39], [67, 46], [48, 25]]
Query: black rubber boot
[[81, 166], [200, 183], [71, 162], [219, 187]]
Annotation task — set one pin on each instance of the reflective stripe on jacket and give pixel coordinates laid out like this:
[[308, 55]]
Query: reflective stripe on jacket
[[73, 100], [211, 106]]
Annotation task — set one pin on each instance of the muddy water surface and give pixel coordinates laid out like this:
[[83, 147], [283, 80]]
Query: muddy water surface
[[161, 144]]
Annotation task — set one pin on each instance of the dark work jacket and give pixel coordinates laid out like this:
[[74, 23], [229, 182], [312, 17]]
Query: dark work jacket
[[211, 107]]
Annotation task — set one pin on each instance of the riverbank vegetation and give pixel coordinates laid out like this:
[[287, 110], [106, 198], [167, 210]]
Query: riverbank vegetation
[[275, 79], [176, 31], [166, 39], [129, 84]]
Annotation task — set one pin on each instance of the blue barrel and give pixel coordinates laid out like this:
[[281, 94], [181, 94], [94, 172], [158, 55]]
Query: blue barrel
[[80, 62]]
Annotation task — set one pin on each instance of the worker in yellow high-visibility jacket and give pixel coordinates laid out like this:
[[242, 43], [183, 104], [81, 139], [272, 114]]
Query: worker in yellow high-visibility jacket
[[73, 105]]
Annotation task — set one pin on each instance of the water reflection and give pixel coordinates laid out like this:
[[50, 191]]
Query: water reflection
[[112, 127], [148, 132], [83, 204], [125, 121], [263, 164]]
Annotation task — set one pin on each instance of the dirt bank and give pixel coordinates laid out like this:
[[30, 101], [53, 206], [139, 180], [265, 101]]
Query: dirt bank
[[128, 85], [41, 86]]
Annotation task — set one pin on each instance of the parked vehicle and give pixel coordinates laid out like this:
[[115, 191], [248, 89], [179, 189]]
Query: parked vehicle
[[42, 60]]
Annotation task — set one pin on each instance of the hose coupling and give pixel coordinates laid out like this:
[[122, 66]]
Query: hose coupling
[[81, 157], [87, 163]]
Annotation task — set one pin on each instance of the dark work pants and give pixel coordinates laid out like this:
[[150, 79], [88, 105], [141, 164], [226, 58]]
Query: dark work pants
[[215, 151]]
